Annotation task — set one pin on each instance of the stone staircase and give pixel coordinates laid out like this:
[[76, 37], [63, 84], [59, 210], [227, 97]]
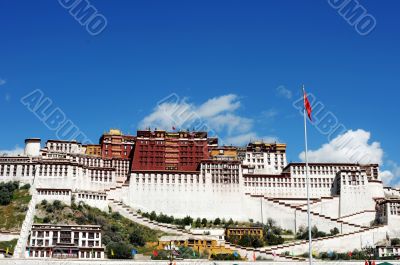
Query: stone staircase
[[19, 250], [128, 212], [316, 201], [272, 255], [356, 213], [271, 252], [132, 215], [303, 209], [118, 192], [304, 243]]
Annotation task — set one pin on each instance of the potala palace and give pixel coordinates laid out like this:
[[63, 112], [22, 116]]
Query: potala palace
[[187, 173]]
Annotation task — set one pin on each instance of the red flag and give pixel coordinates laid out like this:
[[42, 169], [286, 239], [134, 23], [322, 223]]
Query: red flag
[[373, 262], [155, 253], [350, 254], [307, 105], [366, 262]]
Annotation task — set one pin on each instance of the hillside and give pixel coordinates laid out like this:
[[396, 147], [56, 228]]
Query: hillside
[[13, 205], [118, 233]]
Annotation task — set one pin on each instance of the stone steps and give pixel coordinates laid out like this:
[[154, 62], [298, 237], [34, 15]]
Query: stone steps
[[297, 243], [132, 215], [19, 250], [299, 208]]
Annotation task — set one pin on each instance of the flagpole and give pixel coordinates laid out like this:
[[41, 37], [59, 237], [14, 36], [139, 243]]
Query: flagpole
[[308, 184]]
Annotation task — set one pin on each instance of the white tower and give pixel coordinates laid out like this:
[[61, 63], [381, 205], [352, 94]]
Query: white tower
[[32, 147]]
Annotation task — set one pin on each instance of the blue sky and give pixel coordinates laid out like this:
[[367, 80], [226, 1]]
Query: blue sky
[[238, 64]]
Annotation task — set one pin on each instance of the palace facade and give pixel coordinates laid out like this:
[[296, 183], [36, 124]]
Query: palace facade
[[186, 173]]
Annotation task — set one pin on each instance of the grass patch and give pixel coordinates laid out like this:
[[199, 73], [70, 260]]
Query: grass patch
[[13, 214], [8, 244]]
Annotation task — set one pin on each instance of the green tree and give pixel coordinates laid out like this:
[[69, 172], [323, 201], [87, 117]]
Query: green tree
[[137, 239], [5, 196], [395, 241], [119, 249], [334, 231], [272, 239], [257, 242], [116, 216], [57, 205], [204, 222], [197, 223], [187, 220], [245, 241], [153, 215], [315, 233], [217, 221]]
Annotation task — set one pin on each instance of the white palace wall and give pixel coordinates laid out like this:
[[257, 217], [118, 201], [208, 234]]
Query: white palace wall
[[53, 194], [211, 200], [190, 197], [364, 218], [327, 207]]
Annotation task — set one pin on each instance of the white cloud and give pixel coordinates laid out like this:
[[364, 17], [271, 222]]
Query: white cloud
[[394, 167], [394, 170], [217, 105], [350, 147], [355, 147], [386, 176], [2, 81], [284, 92], [14, 152], [216, 115]]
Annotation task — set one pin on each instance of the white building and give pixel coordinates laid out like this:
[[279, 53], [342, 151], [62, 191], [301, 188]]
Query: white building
[[256, 184], [65, 241], [265, 158]]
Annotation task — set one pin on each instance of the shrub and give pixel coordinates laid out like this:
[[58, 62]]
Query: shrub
[[44, 203], [49, 208], [120, 250], [334, 231], [5, 196], [153, 216], [6, 191], [137, 239], [11, 186], [114, 228], [187, 220], [162, 218], [225, 257], [395, 241], [106, 239], [116, 216], [197, 223], [315, 233], [272, 239], [57, 205], [246, 241]]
